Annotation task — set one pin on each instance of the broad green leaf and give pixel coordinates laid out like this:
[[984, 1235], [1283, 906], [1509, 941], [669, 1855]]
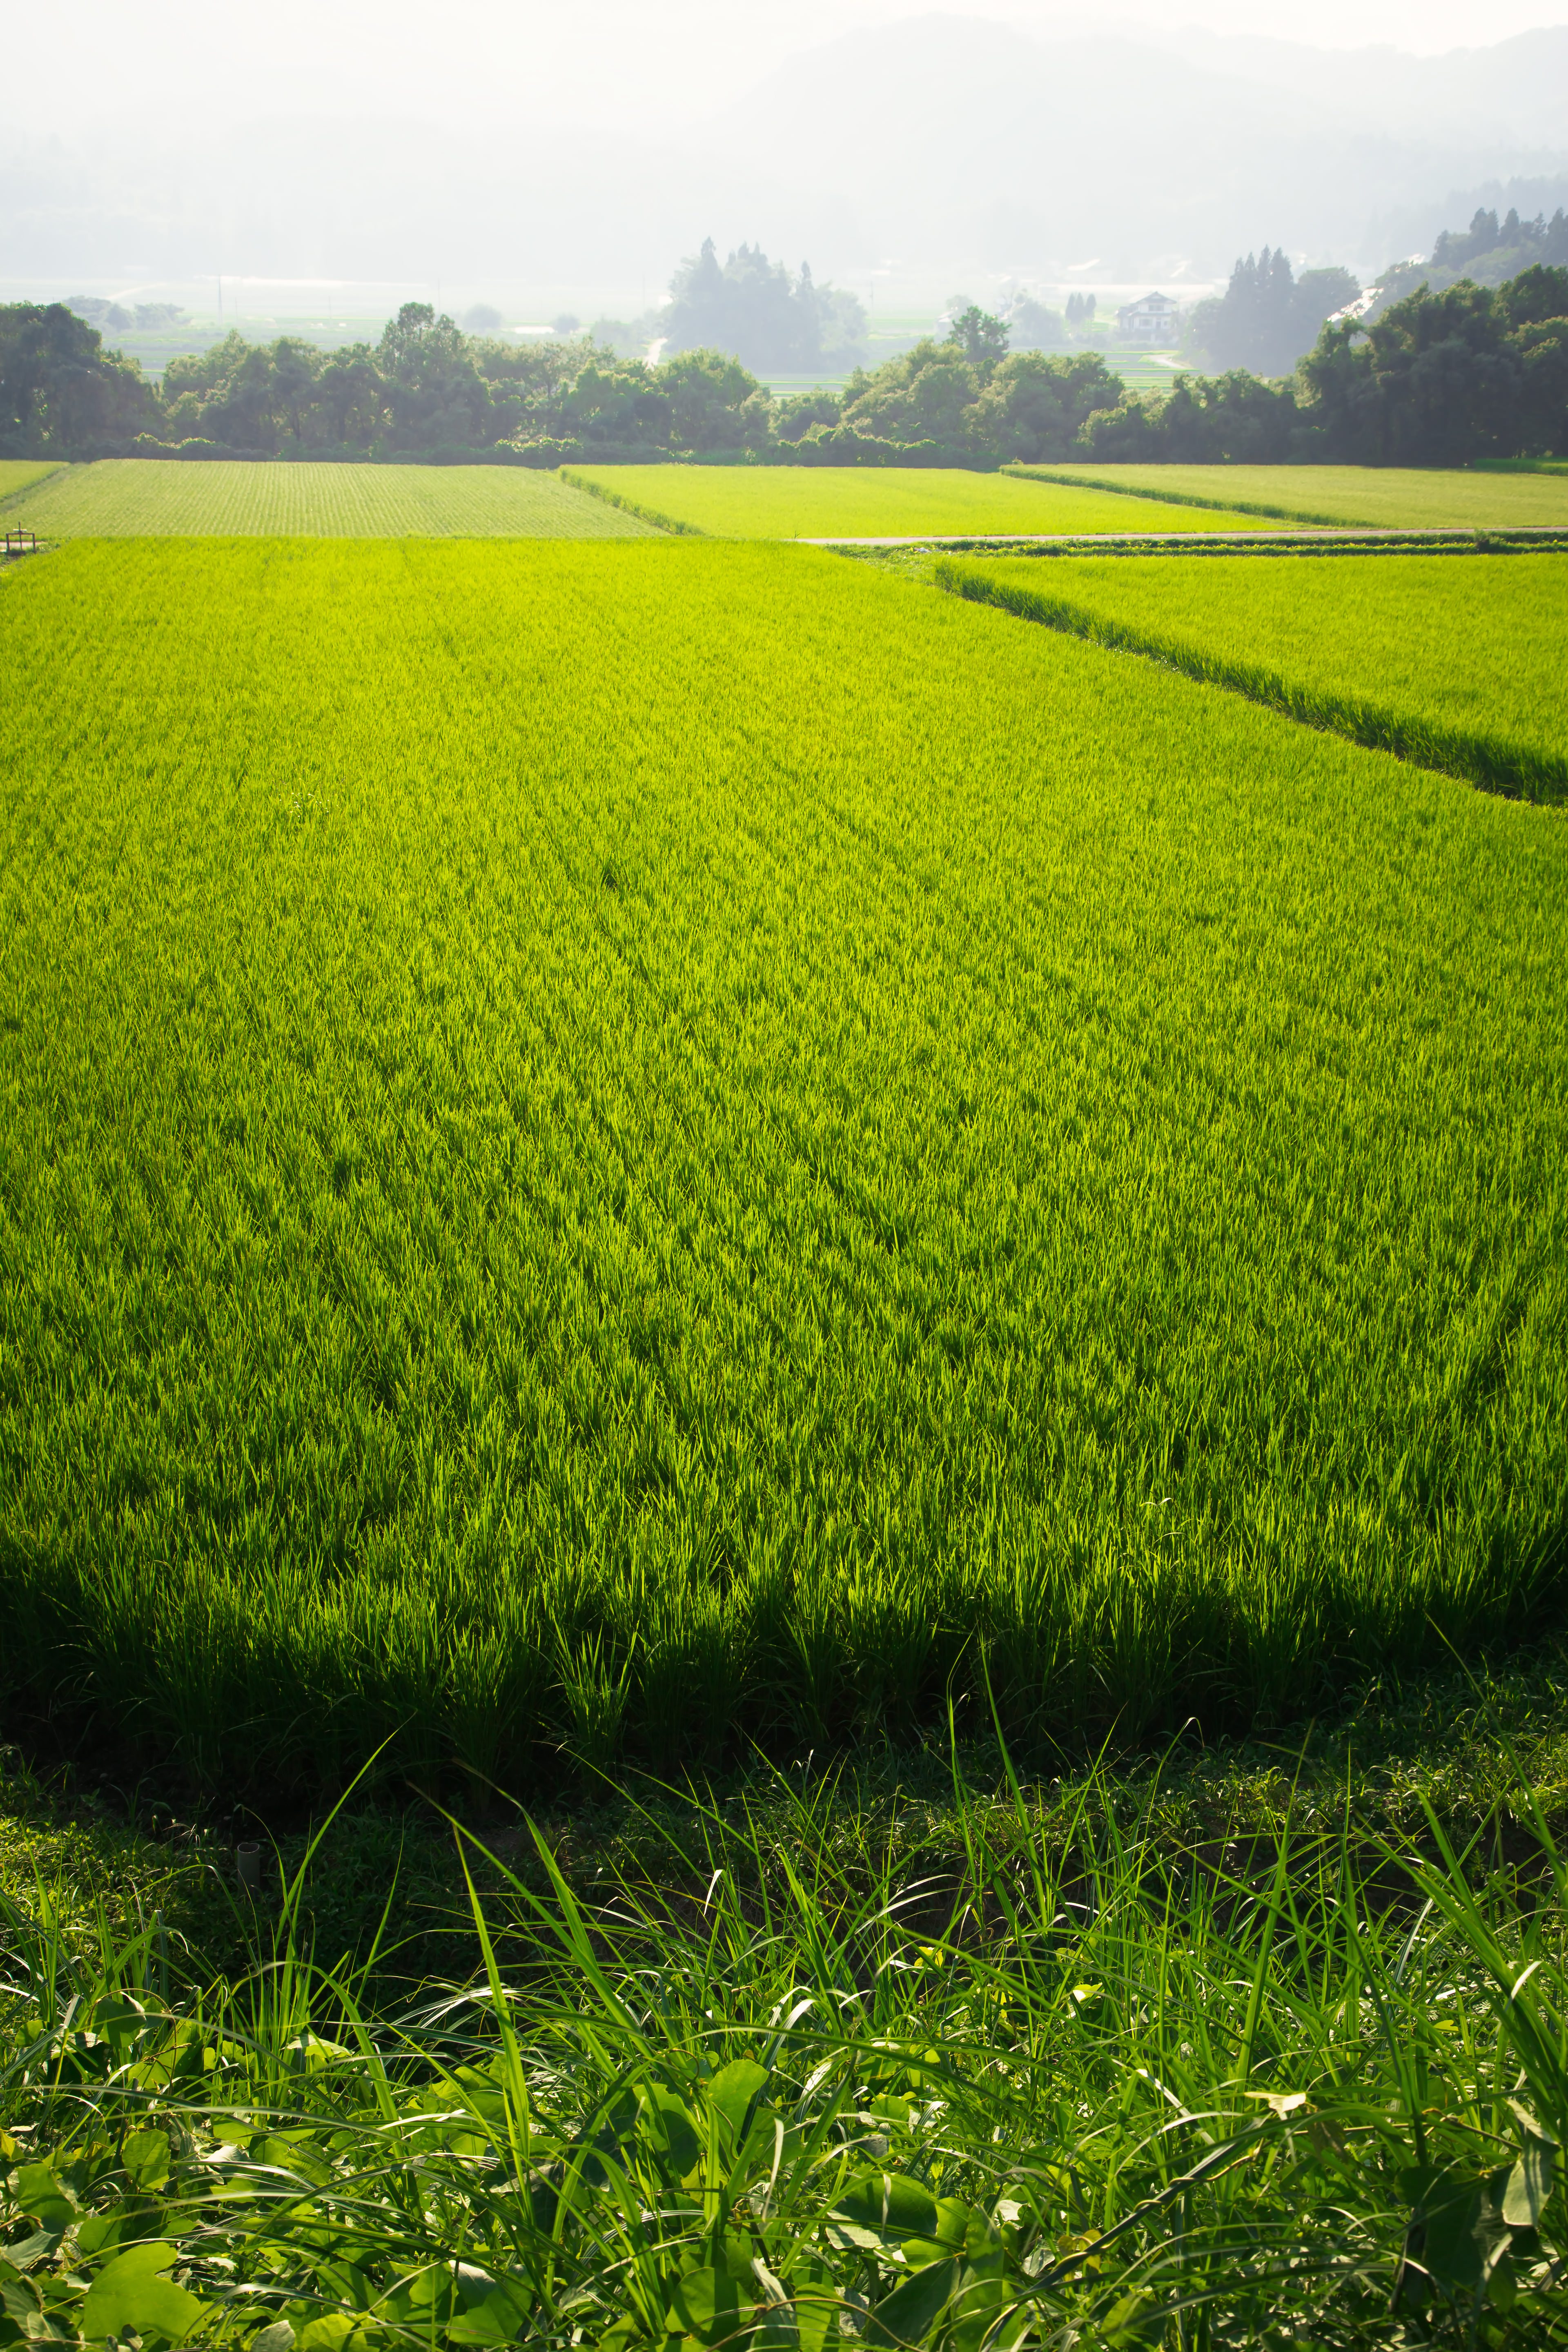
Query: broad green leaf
[[708, 2305], [907, 2316], [19, 2296], [1445, 2211], [892, 2205], [499, 2319], [735, 2089], [145, 2156], [1529, 2185], [668, 2123], [131, 2291], [37, 2190], [277, 2337], [327, 2334]]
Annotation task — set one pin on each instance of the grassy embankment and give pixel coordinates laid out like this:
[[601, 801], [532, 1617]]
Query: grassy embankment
[[959, 2074], [1456, 664], [1391, 497]]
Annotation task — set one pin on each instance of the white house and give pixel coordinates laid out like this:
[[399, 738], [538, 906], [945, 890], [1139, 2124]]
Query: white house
[[1152, 319]]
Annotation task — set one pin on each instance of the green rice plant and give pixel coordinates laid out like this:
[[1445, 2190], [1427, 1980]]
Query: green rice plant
[[1456, 664], [623, 1150], [829, 502], [1393, 496], [19, 474], [153, 496], [1106, 2094]]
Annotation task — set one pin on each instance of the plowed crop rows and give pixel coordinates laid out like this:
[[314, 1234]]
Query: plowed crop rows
[[135, 497]]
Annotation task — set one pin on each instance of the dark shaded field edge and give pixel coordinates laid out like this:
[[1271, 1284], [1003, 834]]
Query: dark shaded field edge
[[1546, 542], [1510, 769], [629, 506]]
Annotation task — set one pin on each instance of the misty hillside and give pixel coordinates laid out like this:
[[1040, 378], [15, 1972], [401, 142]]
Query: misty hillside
[[936, 139]]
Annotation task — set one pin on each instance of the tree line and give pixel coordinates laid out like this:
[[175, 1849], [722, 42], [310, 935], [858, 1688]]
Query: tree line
[[1437, 379]]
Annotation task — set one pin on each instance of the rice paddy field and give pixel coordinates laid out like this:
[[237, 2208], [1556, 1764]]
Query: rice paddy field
[[1391, 497], [132, 496], [630, 1149], [18, 474], [877, 501], [1455, 661]]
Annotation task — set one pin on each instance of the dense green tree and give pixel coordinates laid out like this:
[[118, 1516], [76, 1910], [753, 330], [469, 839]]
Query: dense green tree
[[925, 394], [1037, 403], [436, 396], [59, 390], [1032, 327], [1268, 317], [982, 339], [752, 309], [1444, 379]]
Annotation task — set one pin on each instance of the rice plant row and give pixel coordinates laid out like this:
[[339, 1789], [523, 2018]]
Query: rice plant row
[[631, 1148], [874, 501], [134, 497], [1456, 664], [1393, 496]]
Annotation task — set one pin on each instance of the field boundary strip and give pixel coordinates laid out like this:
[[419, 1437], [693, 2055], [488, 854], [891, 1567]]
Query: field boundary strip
[[629, 506], [1528, 539], [1496, 766], [1079, 481], [25, 489]]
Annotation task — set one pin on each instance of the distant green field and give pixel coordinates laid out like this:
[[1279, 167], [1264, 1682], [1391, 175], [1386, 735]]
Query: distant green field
[[636, 1146], [16, 472], [140, 497], [1453, 659], [1390, 496], [871, 503]]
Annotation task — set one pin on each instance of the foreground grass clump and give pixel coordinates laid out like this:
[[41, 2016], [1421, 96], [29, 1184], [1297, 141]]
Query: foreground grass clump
[[139, 497], [1104, 2093], [874, 501], [1452, 660], [1395, 497], [640, 1146]]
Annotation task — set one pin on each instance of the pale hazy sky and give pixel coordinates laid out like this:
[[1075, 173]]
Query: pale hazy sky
[[551, 60]]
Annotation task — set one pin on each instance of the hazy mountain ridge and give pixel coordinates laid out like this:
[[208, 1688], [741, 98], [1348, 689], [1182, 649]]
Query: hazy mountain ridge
[[946, 141]]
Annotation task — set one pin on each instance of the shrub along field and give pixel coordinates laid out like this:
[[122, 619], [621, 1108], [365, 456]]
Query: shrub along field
[[1390, 496], [1456, 661], [131, 496], [876, 502], [642, 1146]]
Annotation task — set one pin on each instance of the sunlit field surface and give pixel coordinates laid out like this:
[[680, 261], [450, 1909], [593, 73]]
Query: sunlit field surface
[[876, 501], [18, 473], [155, 496], [1458, 660], [651, 1146], [1389, 495]]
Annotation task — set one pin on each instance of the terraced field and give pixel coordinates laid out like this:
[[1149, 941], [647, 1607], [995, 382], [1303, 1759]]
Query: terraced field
[[642, 1147], [1454, 660], [1390, 497], [876, 502], [139, 497]]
